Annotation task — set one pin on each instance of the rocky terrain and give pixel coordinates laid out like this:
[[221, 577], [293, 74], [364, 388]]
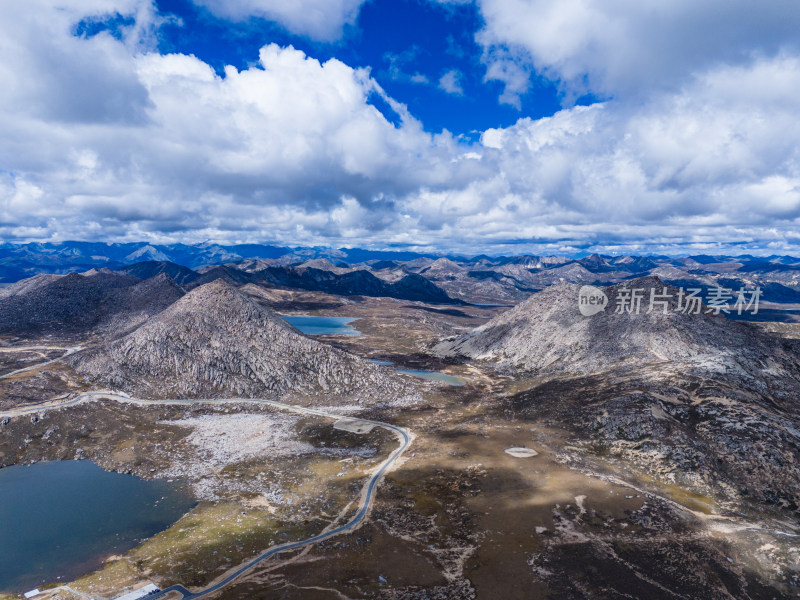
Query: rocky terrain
[[510, 279], [729, 445], [106, 301], [694, 399], [548, 334], [663, 446], [477, 284], [31, 284], [216, 342]]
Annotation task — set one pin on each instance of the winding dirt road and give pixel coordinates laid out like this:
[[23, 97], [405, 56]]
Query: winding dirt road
[[366, 498], [38, 365]]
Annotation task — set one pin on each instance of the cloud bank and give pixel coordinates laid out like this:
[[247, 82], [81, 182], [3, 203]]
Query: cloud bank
[[105, 138]]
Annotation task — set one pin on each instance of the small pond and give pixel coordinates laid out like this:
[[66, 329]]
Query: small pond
[[322, 325], [435, 376], [432, 375]]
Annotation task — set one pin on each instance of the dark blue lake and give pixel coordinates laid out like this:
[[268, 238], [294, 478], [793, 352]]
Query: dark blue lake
[[64, 518], [322, 325]]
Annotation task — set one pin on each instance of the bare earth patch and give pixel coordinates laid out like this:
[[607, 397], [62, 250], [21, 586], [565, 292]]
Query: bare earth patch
[[221, 440]]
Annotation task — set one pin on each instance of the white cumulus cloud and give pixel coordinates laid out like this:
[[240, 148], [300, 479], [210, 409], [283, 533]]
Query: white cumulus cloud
[[319, 19], [699, 165], [450, 82], [612, 47]]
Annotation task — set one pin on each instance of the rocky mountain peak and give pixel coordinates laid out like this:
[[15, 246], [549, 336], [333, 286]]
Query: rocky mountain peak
[[548, 333], [217, 342]]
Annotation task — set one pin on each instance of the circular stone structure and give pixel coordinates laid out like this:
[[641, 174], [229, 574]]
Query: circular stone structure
[[521, 452]]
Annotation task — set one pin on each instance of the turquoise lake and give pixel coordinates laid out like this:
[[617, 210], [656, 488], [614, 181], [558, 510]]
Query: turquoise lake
[[64, 518], [322, 325], [432, 375], [435, 376]]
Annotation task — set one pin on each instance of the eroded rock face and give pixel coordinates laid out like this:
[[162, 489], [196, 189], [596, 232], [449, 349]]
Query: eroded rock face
[[216, 342]]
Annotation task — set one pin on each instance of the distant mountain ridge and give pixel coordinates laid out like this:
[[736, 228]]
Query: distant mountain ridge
[[19, 261], [350, 282], [146, 269], [478, 279]]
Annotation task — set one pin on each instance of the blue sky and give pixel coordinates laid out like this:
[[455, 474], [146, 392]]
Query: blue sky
[[408, 45], [468, 126]]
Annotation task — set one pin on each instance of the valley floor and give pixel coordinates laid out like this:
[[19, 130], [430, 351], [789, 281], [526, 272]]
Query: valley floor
[[455, 518]]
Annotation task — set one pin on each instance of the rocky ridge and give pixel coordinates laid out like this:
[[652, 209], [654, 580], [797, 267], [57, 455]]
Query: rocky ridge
[[217, 342], [690, 399], [548, 334], [101, 301]]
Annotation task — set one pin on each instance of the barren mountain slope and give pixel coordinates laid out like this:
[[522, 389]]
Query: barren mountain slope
[[126, 308], [725, 437], [109, 303], [477, 284], [58, 304], [693, 399], [147, 269], [28, 285], [547, 333], [217, 342]]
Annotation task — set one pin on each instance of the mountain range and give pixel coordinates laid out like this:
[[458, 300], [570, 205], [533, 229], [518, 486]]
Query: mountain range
[[662, 398], [399, 274]]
